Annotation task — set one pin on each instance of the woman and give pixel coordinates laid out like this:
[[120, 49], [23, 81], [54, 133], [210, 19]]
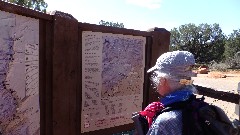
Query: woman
[[171, 77]]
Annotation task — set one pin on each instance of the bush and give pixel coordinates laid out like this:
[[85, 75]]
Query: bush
[[218, 66], [233, 63]]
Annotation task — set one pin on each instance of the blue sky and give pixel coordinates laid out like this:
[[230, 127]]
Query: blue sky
[[145, 14]]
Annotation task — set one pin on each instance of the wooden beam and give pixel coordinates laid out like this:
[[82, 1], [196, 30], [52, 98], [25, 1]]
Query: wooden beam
[[221, 95], [65, 52], [16, 9]]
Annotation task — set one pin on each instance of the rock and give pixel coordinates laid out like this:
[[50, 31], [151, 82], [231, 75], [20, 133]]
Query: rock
[[203, 69]]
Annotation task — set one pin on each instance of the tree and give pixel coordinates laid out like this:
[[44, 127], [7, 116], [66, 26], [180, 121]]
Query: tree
[[232, 45], [205, 41], [38, 5], [232, 50]]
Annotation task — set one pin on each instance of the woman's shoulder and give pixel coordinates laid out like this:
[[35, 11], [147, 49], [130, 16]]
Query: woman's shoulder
[[174, 115]]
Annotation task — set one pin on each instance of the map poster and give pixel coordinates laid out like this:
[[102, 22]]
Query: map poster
[[19, 75], [113, 76]]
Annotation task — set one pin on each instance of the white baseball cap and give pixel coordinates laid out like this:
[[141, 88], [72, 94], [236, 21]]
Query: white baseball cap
[[176, 63]]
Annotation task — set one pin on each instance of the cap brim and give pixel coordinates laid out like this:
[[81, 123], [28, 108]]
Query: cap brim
[[151, 69]]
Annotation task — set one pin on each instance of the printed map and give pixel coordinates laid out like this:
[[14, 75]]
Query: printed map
[[122, 64], [19, 68], [112, 74]]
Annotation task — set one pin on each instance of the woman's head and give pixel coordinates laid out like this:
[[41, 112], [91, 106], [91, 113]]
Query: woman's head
[[170, 70]]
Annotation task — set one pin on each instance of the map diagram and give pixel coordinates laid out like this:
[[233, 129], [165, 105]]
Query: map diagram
[[19, 79], [112, 74], [122, 64]]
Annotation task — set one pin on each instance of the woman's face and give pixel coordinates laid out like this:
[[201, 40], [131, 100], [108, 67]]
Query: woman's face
[[163, 87]]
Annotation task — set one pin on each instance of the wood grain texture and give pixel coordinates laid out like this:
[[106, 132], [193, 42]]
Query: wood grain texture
[[64, 74], [221, 95], [160, 45]]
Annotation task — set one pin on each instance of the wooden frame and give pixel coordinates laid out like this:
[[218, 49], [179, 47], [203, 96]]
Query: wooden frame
[[221, 95], [60, 46], [45, 75], [8, 7], [106, 29], [45, 61]]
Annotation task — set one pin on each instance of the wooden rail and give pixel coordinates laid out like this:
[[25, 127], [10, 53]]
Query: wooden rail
[[221, 95]]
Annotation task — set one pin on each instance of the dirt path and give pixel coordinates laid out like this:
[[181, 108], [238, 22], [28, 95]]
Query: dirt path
[[228, 84]]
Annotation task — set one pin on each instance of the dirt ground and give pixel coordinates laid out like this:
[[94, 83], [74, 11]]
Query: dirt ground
[[223, 81]]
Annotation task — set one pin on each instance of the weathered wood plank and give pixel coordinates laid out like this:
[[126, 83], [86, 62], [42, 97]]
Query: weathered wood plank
[[64, 74], [8, 7], [221, 95], [114, 30]]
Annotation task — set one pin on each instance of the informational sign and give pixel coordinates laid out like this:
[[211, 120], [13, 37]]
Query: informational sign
[[19, 75], [113, 75]]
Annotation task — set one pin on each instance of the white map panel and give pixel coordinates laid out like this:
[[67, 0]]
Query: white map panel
[[112, 74], [19, 75]]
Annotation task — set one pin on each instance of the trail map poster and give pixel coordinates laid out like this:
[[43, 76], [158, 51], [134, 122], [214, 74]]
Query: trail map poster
[[19, 75], [113, 75]]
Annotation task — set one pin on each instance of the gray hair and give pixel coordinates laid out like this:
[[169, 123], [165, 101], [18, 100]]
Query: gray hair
[[174, 81]]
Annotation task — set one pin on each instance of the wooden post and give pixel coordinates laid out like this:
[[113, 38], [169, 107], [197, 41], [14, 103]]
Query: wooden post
[[65, 54], [160, 45], [238, 89], [45, 75]]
